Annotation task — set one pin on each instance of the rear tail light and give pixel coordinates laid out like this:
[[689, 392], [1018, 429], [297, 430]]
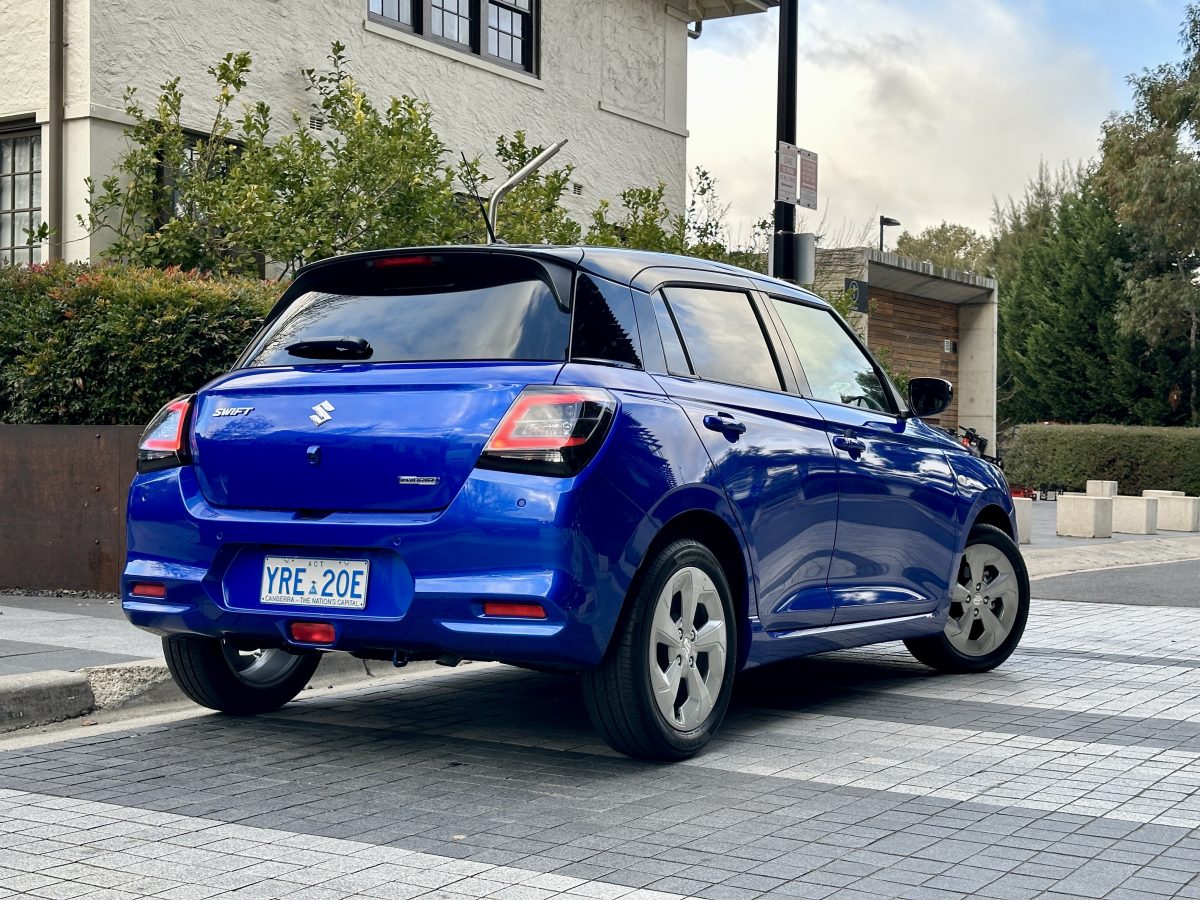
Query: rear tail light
[[504, 610], [312, 632], [164, 442], [550, 431], [155, 590]]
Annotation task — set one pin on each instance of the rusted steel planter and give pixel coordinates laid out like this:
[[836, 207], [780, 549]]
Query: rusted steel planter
[[62, 504]]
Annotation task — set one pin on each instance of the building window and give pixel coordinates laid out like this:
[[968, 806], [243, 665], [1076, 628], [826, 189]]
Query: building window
[[20, 195], [451, 20], [509, 21], [395, 11], [503, 31]]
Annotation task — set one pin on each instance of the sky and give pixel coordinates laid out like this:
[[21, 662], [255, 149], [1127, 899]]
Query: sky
[[922, 110]]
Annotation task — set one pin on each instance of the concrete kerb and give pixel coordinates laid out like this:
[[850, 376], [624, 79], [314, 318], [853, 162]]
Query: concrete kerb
[[40, 698]]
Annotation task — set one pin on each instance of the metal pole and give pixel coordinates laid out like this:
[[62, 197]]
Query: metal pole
[[498, 195], [53, 202], [881, 234], [785, 212]]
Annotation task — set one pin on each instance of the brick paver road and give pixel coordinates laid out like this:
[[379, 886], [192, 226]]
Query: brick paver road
[[1073, 771]]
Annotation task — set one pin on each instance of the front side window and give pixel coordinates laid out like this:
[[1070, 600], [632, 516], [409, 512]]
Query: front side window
[[502, 31], [20, 196], [837, 369], [722, 336]]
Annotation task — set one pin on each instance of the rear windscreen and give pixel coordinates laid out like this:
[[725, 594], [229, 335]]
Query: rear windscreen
[[444, 311]]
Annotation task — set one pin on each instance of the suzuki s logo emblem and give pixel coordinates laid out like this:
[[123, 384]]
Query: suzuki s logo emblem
[[322, 413]]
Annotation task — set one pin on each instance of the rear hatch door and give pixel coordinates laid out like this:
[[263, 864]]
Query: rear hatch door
[[377, 381]]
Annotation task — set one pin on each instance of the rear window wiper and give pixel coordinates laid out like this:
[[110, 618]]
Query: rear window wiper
[[344, 347]]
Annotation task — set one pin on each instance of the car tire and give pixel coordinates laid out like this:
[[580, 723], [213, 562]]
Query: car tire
[[665, 683], [989, 606], [215, 675]]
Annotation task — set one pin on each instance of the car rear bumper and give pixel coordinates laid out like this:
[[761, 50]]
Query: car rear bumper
[[506, 537]]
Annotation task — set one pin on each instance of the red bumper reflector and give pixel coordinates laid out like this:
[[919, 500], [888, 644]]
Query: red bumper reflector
[[514, 610], [312, 632], [153, 590]]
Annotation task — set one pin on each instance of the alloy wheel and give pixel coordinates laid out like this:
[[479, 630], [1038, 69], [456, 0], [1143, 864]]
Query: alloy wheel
[[984, 601], [688, 648]]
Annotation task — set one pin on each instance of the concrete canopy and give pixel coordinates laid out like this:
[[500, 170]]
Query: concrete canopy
[[905, 275]]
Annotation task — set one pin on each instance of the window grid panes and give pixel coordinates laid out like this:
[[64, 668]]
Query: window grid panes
[[394, 10], [503, 31], [20, 196], [508, 26], [451, 19]]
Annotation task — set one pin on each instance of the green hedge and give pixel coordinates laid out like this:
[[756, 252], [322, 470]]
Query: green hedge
[[108, 345], [1137, 458]]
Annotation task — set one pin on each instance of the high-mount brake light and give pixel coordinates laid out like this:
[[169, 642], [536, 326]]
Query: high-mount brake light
[[164, 442], [396, 262], [550, 431]]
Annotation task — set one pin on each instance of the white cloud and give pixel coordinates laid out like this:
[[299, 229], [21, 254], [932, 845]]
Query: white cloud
[[923, 114]]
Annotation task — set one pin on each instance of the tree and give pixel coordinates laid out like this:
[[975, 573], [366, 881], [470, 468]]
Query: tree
[[948, 245], [1150, 170], [1058, 256]]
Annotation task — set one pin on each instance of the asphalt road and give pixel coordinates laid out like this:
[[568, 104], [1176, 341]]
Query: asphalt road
[[1168, 584]]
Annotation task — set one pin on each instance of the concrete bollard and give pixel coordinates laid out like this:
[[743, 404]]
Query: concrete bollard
[[1179, 513], [1101, 489], [1163, 494], [1084, 515], [1135, 515], [1024, 508]]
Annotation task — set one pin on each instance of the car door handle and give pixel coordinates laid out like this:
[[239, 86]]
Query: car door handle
[[850, 444], [724, 423]]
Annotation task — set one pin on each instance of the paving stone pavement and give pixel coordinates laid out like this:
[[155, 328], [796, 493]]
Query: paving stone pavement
[[1072, 771]]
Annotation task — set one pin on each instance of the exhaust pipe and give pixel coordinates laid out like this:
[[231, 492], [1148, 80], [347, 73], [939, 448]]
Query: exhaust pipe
[[516, 178]]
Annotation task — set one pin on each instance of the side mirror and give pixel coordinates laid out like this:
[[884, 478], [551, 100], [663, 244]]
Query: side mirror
[[929, 396]]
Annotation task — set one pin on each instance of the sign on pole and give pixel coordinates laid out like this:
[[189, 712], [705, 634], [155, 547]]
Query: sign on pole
[[808, 178], [786, 172]]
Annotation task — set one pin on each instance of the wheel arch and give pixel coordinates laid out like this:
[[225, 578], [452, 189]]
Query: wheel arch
[[721, 537], [993, 514]]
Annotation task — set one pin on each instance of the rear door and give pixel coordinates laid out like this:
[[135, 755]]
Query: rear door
[[768, 446], [896, 532], [376, 386]]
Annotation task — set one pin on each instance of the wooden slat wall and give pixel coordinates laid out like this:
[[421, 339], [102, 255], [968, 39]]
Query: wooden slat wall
[[913, 330]]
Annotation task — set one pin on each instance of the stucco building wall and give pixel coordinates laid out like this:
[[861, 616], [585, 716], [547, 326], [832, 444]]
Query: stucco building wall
[[612, 79]]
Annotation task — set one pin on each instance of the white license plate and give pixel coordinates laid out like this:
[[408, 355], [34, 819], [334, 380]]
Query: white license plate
[[298, 581]]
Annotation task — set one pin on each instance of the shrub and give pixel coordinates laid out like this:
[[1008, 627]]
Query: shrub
[[1138, 458], [109, 345]]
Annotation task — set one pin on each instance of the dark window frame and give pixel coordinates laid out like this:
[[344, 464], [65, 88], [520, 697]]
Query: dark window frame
[[765, 326], [32, 252], [896, 409], [477, 44]]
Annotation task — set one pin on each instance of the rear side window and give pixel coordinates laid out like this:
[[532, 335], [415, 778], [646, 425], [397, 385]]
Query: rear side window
[[837, 369], [723, 337], [605, 326], [439, 308]]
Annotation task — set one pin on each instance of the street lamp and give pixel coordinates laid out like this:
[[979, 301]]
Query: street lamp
[[885, 222]]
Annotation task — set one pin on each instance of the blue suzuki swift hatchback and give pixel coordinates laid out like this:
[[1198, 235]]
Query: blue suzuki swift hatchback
[[650, 470]]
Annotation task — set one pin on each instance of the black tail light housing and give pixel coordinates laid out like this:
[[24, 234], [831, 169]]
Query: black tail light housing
[[164, 443]]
